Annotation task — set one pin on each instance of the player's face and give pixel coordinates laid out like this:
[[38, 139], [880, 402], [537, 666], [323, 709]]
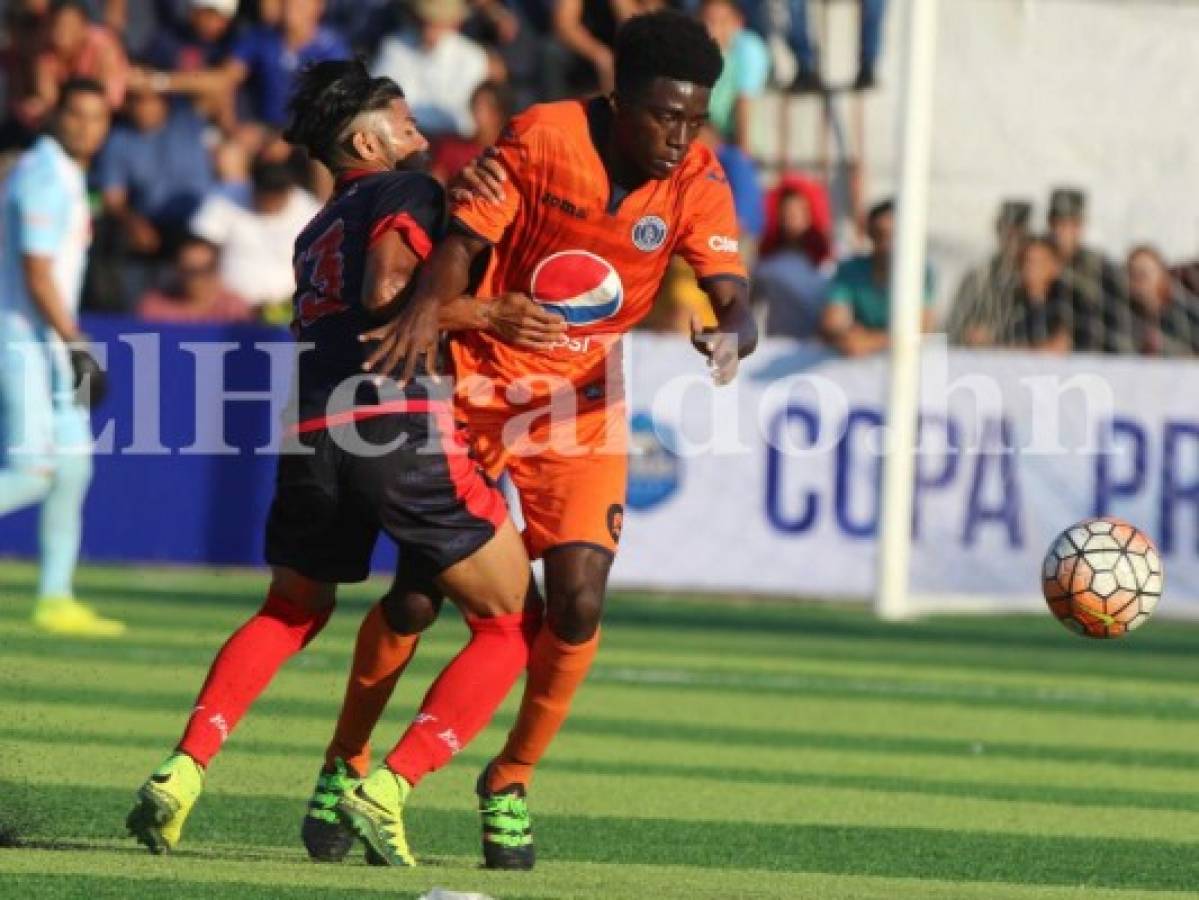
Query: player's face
[[406, 147], [83, 125], [654, 131]]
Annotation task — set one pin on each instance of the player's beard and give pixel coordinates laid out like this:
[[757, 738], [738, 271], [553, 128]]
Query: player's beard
[[420, 161]]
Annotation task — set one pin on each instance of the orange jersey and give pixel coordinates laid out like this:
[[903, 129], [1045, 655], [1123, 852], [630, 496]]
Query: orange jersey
[[556, 238]]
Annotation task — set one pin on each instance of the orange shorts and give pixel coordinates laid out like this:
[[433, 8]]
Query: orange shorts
[[571, 476]]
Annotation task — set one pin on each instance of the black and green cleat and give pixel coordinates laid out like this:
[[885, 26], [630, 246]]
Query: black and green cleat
[[325, 836], [507, 830]]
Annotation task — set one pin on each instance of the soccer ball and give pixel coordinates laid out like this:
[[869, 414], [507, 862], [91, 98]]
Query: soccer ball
[[1102, 578]]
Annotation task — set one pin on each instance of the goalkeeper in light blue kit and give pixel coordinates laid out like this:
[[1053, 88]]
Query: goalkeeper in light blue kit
[[45, 432]]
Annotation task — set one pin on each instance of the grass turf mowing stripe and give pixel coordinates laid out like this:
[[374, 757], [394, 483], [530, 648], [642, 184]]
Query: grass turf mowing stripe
[[1048, 699], [222, 875], [1182, 801], [969, 856]]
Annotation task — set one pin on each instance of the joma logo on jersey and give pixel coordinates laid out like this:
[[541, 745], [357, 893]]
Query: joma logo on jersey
[[556, 202]]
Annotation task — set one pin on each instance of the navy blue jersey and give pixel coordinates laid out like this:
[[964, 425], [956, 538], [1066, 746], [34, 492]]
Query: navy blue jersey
[[330, 264]]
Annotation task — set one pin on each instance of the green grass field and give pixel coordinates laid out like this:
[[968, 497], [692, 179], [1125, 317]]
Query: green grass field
[[720, 750]]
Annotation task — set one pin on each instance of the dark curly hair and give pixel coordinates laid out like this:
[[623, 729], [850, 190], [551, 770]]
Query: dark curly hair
[[664, 44], [327, 97]]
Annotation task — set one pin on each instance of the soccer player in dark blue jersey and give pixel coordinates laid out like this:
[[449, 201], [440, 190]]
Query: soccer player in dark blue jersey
[[371, 455]]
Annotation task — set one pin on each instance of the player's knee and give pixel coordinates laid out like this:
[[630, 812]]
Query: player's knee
[[575, 610], [302, 593], [73, 472], [409, 611], [575, 582]]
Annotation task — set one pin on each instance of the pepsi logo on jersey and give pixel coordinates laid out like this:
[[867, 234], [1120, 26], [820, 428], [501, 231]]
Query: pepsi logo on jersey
[[581, 287]]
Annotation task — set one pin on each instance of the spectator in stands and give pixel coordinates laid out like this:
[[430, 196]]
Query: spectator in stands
[[155, 171], [807, 54], [746, 70], [266, 58], [858, 313], [256, 242], [1094, 281], [363, 23], [985, 297], [194, 292], [1165, 317], [490, 109], [1042, 316], [26, 23], [190, 59], [76, 48], [790, 280], [587, 29], [436, 65], [516, 48]]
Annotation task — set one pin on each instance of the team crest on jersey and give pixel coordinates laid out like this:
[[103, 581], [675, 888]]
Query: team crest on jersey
[[581, 287], [649, 233]]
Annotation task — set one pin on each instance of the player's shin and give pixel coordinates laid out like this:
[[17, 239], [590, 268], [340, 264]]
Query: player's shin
[[380, 656], [458, 705], [556, 671], [244, 667], [465, 696]]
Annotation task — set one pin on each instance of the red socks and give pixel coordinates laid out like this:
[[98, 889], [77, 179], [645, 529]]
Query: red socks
[[465, 696], [242, 670]]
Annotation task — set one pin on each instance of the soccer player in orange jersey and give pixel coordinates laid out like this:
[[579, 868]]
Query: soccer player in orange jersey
[[599, 195]]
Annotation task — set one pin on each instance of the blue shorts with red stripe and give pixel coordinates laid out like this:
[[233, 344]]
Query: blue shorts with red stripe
[[402, 468]]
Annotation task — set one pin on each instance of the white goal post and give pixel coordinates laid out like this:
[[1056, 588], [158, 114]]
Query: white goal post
[[915, 150]]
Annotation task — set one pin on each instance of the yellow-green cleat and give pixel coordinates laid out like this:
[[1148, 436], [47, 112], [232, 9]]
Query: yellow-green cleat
[[164, 802], [67, 616], [375, 810]]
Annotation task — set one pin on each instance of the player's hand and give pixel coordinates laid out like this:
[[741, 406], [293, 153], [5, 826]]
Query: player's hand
[[91, 381], [720, 347], [407, 340], [483, 177], [521, 321]]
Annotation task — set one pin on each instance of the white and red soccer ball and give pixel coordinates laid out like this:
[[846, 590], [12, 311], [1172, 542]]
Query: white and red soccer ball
[[1102, 578]]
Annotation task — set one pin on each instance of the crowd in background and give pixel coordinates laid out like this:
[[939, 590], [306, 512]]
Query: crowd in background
[[198, 200]]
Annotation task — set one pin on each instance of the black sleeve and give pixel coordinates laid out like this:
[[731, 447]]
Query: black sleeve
[[406, 199]]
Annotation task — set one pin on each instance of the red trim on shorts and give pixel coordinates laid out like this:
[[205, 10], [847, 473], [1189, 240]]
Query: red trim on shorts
[[370, 412], [414, 236], [482, 499]]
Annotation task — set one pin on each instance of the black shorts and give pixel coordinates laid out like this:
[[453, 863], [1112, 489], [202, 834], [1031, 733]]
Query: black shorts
[[428, 495]]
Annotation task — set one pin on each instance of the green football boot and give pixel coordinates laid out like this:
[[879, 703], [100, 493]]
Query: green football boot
[[164, 802], [325, 835], [375, 810], [507, 829]]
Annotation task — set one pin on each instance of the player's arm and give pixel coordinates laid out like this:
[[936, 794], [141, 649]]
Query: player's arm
[[736, 333], [47, 299], [390, 265], [709, 245], [39, 281], [413, 334]]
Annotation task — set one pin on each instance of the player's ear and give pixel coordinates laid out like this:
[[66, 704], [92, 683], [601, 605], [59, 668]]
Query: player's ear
[[364, 144]]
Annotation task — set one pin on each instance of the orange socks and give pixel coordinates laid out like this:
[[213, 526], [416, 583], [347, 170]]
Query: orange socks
[[380, 656], [556, 670]]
